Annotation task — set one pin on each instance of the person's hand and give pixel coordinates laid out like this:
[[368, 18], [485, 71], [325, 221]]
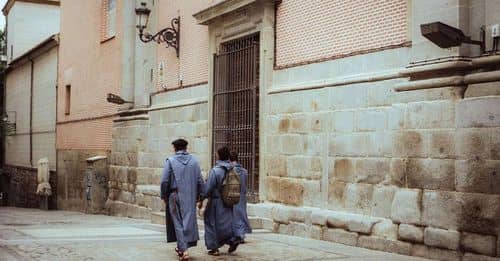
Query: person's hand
[[201, 212]]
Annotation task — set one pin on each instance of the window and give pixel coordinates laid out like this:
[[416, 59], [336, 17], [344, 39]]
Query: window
[[67, 99], [108, 24]]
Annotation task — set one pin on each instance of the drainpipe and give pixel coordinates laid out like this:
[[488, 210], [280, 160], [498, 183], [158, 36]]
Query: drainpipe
[[31, 111]]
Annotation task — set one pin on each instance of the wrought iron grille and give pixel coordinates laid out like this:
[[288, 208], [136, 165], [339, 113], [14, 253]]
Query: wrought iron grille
[[236, 104]]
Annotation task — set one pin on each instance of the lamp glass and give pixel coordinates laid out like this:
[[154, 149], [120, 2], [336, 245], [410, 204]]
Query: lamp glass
[[142, 16]]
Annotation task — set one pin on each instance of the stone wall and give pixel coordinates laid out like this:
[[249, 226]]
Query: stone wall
[[408, 172], [71, 166], [20, 185], [141, 144]]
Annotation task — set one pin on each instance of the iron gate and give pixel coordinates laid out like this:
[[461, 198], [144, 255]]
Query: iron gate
[[236, 104]]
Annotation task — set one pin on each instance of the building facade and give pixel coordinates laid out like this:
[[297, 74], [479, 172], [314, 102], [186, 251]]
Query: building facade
[[355, 128], [29, 110]]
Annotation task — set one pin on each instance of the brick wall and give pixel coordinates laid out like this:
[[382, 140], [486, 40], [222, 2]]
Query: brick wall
[[88, 134], [192, 65], [92, 71], [308, 31]]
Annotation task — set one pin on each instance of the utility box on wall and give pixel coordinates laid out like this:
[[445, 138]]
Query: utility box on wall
[[96, 184]]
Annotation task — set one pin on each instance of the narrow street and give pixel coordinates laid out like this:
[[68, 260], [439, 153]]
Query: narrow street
[[30, 234]]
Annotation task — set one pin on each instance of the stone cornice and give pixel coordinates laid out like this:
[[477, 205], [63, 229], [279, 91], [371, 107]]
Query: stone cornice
[[206, 16]]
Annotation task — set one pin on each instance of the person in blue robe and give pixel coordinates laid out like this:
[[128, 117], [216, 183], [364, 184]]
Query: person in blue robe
[[241, 225], [218, 218], [181, 186]]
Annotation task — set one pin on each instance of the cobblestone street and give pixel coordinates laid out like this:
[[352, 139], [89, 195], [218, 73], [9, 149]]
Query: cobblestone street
[[30, 234]]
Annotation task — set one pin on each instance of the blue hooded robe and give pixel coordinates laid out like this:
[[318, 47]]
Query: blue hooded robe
[[241, 225], [218, 218], [182, 190]]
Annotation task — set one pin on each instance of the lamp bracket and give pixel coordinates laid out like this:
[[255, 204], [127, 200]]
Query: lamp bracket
[[169, 35]]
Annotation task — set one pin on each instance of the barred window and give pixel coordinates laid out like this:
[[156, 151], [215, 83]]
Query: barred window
[[108, 19]]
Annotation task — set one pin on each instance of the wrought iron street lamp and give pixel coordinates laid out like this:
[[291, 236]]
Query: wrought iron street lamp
[[169, 35]]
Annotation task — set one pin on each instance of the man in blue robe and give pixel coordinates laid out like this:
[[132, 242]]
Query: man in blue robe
[[217, 217], [241, 225], [181, 185]]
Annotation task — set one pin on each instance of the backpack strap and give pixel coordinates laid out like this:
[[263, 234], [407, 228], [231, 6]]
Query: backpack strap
[[219, 186]]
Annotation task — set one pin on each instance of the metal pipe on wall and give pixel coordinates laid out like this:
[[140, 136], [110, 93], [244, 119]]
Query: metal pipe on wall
[[31, 110]]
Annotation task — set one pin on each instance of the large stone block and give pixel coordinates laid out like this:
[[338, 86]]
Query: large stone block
[[291, 144], [336, 194], [298, 229], [382, 201], [475, 257], [299, 123], [349, 97], [283, 124], [316, 232], [311, 197], [341, 236], [301, 214], [276, 165], [410, 144], [476, 175], [349, 144], [371, 170], [262, 210], [406, 206], [126, 197], [343, 170], [319, 217], [134, 211], [473, 144], [381, 244], [273, 188], [441, 209], [482, 89], [320, 122], [436, 174], [371, 120], [379, 144], [313, 145], [442, 144], [396, 116], [449, 239], [385, 229], [358, 198], [291, 191], [411, 233], [435, 253], [480, 213], [481, 244], [397, 173], [362, 224], [478, 112], [430, 115], [339, 219], [281, 214]]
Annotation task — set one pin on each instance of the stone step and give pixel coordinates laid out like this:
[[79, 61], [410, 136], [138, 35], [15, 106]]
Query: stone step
[[158, 218], [152, 190], [255, 222]]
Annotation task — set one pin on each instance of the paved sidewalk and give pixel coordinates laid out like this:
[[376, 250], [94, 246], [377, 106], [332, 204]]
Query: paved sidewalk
[[30, 234]]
